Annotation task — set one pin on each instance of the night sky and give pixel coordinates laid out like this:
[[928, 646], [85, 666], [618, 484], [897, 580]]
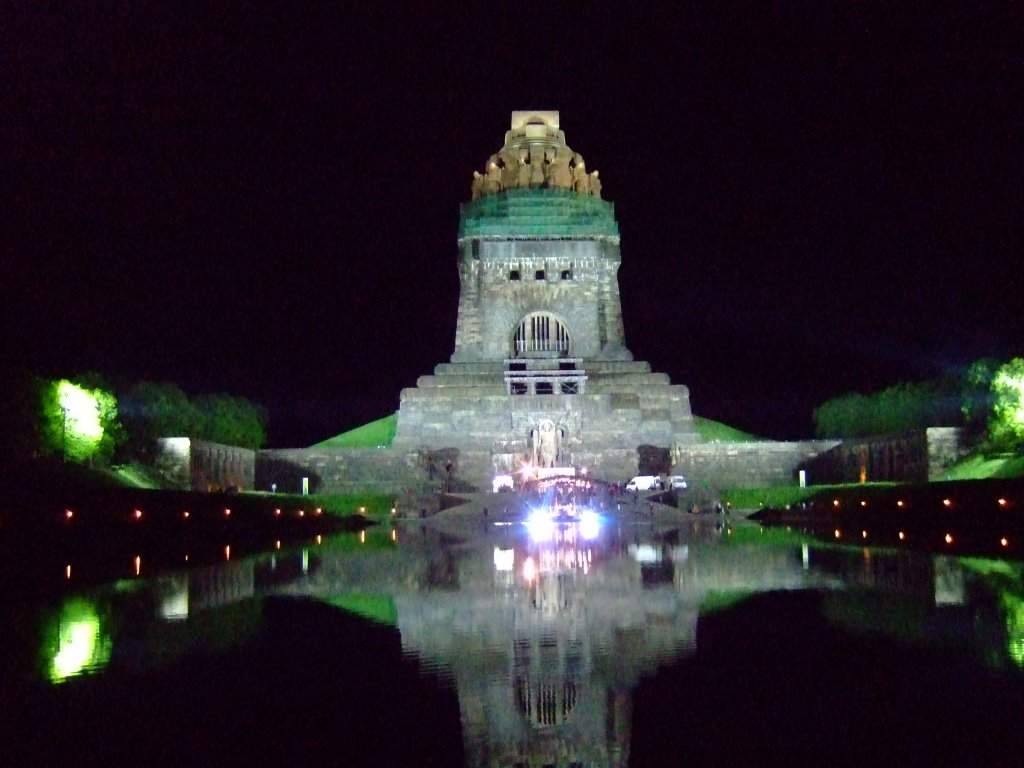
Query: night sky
[[262, 199]]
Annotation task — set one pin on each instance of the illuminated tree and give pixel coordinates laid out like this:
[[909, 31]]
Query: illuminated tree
[[79, 424], [895, 409], [1006, 425]]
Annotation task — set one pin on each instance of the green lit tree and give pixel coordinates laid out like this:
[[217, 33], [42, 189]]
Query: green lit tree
[[78, 423], [1006, 423], [901, 407]]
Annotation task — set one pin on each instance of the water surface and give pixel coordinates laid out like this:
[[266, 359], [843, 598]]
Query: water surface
[[636, 639]]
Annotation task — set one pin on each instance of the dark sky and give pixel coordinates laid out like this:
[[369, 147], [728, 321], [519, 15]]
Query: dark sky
[[262, 199]]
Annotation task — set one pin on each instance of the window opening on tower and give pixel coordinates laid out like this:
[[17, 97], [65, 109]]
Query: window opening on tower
[[541, 334]]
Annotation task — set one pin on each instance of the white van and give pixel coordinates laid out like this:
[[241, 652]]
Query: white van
[[644, 483]]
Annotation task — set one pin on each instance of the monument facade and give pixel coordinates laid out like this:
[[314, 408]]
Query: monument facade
[[540, 372]]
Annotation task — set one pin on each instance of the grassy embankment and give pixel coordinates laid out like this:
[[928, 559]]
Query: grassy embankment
[[377, 433], [717, 432]]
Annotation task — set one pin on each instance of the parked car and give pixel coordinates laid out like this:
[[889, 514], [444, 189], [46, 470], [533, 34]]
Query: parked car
[[677, 483]]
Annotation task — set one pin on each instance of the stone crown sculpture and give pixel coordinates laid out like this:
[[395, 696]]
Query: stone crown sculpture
[[535, 156]]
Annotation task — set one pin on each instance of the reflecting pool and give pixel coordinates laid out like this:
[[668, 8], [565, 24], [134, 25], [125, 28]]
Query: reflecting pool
[[599, 638]]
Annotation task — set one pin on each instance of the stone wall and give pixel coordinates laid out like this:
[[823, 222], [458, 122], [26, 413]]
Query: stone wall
[[204, 466], [945, 448], [343, 470], [915, 456], [579, 287], [745, 465]]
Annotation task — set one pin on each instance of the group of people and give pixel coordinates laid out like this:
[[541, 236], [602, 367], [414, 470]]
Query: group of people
[[533, 169]]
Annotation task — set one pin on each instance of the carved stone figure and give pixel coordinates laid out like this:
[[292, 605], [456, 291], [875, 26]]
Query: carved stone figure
[[478, 185], [546, 440], [595, 185], [524, 171], [492, 183], [580, 180], [537, 169], [559, 174], [509, 169]]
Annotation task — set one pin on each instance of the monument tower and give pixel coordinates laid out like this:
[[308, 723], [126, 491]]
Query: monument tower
[[540, 372]]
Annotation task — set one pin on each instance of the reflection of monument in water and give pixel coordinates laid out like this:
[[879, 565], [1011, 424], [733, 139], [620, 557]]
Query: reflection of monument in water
[[546, 638], [540, 369]]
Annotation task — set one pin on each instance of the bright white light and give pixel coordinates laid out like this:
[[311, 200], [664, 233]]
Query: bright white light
[[540, 525], [590, 524], [502, 483], [643, 553], [81, 409], [504, 559], [78, 642], [178, 445], [529, 569], [174, 607]]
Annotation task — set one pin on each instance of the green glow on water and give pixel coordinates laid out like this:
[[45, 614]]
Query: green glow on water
[[1015, 630], [81, 645]]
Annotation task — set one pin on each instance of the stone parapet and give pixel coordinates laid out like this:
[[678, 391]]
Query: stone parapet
[[339, 470]]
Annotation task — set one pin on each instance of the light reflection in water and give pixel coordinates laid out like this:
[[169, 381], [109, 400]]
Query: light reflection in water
[[80, 643], [577, 618]]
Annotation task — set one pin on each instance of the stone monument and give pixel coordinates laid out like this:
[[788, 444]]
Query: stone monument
[[540, 373]]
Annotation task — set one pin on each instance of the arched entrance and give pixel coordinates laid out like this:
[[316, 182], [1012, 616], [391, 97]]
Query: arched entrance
[[541, 334]]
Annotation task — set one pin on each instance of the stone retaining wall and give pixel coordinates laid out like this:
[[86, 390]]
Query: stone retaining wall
[[745, 465], [915, 456], [200, 465], [341, 470]]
